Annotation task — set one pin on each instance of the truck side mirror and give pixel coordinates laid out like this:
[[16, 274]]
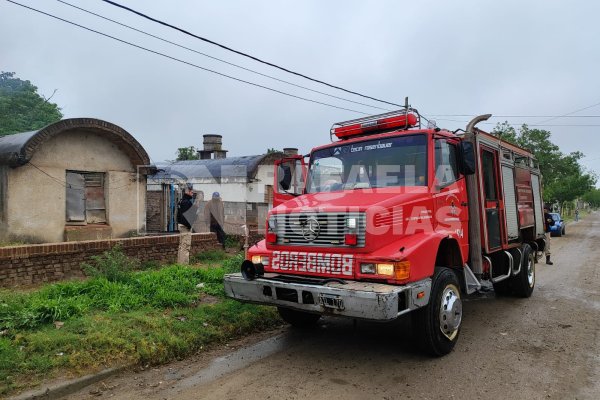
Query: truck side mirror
[[285, 177], [466, 158]]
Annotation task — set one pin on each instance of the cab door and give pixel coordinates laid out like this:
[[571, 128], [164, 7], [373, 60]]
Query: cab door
[[450, 194], [290, 178]]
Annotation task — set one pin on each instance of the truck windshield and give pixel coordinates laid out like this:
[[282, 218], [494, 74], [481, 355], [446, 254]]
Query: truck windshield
[[397, 161]]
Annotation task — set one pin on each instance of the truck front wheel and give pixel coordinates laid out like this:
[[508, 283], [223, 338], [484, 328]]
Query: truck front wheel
[[439, 322], [298, 319]]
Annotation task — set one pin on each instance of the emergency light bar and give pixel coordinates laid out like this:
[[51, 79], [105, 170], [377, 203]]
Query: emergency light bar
[[374, 124]]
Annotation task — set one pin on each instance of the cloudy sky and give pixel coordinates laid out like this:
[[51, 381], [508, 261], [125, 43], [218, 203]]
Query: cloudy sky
[[509, 58]]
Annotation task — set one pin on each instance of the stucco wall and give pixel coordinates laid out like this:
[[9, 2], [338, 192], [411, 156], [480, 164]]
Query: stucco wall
[[264, 177], [3, 199], [36, 201]]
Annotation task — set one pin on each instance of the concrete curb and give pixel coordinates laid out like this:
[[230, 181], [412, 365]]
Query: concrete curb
[[58, 390]]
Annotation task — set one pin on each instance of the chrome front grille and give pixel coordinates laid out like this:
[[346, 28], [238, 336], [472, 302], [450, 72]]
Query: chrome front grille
[[291, 229]]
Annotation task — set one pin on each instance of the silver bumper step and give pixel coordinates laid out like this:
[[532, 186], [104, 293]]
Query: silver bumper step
[[364, 300]]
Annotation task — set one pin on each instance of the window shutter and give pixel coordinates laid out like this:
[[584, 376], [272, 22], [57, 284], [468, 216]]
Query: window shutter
[[75, 197], [95, 208]]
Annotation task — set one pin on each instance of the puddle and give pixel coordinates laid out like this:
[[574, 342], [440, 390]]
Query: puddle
[[237, 360]]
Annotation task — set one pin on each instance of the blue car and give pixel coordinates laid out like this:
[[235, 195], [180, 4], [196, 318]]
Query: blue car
[[558, 229]]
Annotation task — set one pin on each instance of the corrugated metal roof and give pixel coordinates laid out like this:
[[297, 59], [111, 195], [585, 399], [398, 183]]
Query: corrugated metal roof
[[18, 149], [11, 147], [231, 167]]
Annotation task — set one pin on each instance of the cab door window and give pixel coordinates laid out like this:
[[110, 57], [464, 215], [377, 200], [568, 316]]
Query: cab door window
[[446, 165]]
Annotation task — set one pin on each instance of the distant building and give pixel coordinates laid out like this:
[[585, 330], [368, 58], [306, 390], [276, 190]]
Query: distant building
[[76, 179], [245, 184]]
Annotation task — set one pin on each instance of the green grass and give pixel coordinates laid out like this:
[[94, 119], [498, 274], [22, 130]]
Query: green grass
[[150, 316], [210, 255]]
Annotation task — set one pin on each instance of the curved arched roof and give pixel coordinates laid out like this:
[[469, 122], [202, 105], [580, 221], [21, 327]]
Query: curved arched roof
[[18, 149]]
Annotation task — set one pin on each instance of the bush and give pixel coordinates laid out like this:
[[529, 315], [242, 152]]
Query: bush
[[113, 264]]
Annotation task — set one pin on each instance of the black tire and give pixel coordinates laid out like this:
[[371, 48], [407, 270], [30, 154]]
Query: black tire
[[434, 336], [298, 319], [524, 283], [564, 231], [559, 233]]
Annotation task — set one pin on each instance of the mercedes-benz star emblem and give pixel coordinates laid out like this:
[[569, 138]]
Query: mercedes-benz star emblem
[[311, 229]]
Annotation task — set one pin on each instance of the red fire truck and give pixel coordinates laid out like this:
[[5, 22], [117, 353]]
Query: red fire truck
[[394, 218]]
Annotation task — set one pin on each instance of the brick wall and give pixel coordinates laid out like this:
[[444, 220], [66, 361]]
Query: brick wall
[[32, 264], [202, 242]]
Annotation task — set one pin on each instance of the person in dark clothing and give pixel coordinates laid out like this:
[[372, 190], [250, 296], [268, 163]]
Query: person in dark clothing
[[214, 214], [186, 202], [549, 222]]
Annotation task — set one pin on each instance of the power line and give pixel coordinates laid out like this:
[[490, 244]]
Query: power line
[[516, 116], [186, 62], [67, 185], [518, 124], [245, 54], [216, 58], [570, 113]]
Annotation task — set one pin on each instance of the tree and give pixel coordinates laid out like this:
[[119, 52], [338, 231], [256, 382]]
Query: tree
[[187, 153], [592, 197], [22, 108], [272, 150]]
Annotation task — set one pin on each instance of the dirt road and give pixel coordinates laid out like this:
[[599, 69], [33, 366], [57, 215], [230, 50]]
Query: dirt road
[[544, 347]]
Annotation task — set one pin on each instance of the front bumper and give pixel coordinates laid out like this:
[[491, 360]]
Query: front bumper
[[364, 300]]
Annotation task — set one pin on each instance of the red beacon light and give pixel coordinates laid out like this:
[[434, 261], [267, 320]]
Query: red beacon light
[[374, 124]]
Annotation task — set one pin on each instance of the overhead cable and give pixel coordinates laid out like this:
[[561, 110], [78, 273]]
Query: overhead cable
[[216, 58], [570, 113], [516, 116], [187, 62], [245, 54]]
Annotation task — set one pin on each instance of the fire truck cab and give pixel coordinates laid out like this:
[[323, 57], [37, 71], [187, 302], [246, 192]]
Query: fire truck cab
[[393, 218]]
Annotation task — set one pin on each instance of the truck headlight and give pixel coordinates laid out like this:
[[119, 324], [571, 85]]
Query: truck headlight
[[264, 260], [272, 224], [399, 270], [367, 268], [385, 269], [351, 223]]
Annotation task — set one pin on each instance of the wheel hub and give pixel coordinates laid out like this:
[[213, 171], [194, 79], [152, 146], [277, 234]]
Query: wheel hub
[[530, 272], [450, 312]]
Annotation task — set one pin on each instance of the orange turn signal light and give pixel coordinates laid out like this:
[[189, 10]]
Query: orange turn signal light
[[401, 270]]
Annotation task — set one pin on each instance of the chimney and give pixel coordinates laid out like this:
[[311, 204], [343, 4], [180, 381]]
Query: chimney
[[290, 151], [212, 144]]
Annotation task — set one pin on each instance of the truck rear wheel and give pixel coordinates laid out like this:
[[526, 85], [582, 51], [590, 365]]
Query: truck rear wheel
[[298, 319], [524, 282], [439, 322]]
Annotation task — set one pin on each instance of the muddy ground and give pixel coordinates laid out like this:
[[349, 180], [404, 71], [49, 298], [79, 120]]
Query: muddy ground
[[544, 347]]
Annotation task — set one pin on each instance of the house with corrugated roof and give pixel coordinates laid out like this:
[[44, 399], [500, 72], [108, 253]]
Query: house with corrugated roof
[[245, 184], [76, 179]]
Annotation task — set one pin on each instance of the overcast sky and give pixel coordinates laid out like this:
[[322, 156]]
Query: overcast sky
[[449, 57]]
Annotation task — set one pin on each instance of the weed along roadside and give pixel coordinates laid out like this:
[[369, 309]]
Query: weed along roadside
[[124, 313]]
